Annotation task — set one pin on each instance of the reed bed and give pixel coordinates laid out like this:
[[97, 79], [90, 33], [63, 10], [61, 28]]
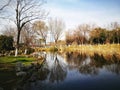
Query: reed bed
[[106, 49]]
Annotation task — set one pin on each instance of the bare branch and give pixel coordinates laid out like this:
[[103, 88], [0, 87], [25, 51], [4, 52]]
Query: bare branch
[[56, 27], [41, 29], [5, 5]]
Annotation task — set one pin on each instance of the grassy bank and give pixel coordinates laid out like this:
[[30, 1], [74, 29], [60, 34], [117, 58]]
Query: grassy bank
[[13, 60], [8, 62]]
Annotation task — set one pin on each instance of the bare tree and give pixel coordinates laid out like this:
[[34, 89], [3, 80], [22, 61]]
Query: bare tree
[[41, 29], [79, 38], [84, 29], [26, 11], [69, 38], [56, 27], [75, 37], [116, 27], [27, 36], [9, 31]]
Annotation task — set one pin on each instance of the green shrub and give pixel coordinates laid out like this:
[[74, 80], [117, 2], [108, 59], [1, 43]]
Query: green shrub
[[6, 43]]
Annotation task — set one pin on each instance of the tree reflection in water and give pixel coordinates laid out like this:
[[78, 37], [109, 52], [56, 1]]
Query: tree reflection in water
[[56, 68], [74, 59], [90, 65], [51, 72], [58, 71]]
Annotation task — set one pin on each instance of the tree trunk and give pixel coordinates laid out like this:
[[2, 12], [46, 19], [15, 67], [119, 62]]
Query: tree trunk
[[45, 42], [17, 44], [18, 38], [16, 52], [25, 51], [55, 41]]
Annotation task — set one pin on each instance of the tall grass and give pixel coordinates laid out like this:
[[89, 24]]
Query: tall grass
[[105, 49], [47, 49], [91, 49]]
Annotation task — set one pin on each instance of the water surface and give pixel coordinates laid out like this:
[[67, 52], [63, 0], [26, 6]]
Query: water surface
[[72, 71]]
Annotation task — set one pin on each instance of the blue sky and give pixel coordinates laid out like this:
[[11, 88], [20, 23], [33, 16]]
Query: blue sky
[[75, 12]]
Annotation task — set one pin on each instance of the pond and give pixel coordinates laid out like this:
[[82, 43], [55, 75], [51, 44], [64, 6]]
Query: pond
[[70, 71]]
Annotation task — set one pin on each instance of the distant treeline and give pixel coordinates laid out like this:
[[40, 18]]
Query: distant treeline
[[86, 35]]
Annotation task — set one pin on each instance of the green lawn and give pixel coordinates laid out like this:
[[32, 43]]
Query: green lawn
[[11, 60]]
